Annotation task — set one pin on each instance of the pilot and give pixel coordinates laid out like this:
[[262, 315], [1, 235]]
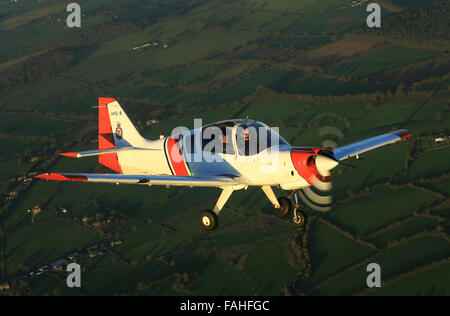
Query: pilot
[[246, 135]]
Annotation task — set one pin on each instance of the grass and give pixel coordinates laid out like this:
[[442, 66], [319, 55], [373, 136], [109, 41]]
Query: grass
[[426, 165], [362, 216], [37, 195], [36, 126], [330, 112], [314, 86], [268, 78], [293, 42], [431, 282], [424, 120], [15, 148], [381, 60], [126, 281], [408, 229], [413, 4], [332, 252], [268, 269], [400, 259], [442, 187], [44, 243], [11, 169], [335, 21], [390, 161], [274, 112], [183, 74], [381, 120], [221, 279]]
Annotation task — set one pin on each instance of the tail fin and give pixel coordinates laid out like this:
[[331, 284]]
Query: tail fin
[[114, 130]]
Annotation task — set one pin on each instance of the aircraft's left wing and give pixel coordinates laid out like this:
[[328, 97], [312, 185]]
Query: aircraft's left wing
[[191, 181], [360, 147]]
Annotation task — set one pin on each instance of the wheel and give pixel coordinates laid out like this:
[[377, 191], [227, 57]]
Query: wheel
[[209, 219], [298, 219], [285, 207]]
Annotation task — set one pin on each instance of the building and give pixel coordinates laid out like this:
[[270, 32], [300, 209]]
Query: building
[[59, 265], [439, 139], [116, 243], [4, 287]]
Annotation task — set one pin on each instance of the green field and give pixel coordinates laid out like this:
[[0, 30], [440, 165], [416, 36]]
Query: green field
[[401, 259], [362, 216], [381, 120], [332, 252], [407, 229], [32, 125], [213, 281], [442, 187], [293, 42], [263, 111], [408, 286], [426, 165], [267, 269], [383, 59], [44, 243]]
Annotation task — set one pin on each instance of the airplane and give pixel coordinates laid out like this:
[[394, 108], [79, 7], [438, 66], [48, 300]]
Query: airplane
[[244, 153]]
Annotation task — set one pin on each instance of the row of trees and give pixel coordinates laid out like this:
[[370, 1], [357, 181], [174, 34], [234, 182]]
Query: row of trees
[[36, 68]]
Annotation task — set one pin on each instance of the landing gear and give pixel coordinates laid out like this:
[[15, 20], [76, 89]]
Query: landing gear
[[209, 220], [285, 207], [298, 218]]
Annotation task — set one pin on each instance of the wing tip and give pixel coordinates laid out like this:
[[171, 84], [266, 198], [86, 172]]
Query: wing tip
[[61, 177], [403, 134], [71, 154]]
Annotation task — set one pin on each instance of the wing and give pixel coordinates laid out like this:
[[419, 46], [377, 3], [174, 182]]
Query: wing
[[360, 147], [191, 181], [91, 153]]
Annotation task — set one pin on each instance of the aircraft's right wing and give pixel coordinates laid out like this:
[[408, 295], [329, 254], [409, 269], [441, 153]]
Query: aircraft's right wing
[[190, 181], [360, 147]]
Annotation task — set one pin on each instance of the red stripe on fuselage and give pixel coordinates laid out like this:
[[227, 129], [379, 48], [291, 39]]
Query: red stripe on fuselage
[[175, 157]]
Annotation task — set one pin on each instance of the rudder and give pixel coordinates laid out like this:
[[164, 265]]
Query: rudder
[[114, 130]]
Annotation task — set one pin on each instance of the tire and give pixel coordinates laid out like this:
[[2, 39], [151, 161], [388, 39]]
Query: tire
[[209, 220], [285, 207], [300, 221]]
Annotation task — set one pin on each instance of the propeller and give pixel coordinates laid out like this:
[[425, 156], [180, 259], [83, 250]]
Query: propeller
[[318, 196]]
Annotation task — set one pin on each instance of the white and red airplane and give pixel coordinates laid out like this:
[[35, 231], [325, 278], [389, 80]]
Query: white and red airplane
[[242, 153]]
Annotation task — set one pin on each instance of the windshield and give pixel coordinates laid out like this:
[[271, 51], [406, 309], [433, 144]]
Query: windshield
[[254, 137]]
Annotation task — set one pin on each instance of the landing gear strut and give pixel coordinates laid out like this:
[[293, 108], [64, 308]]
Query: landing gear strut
[[285, 207], [209, 218], [298, 217]]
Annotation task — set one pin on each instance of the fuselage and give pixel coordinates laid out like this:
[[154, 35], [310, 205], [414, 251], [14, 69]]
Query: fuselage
[[248, 150]]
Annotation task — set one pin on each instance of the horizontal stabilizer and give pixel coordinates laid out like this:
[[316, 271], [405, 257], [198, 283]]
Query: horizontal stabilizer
[[92, 153]]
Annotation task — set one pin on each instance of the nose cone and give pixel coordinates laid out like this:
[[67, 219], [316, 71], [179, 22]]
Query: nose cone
[[324, 163]]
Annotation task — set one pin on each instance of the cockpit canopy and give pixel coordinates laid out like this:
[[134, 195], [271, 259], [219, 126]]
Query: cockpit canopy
[[245, 137]]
